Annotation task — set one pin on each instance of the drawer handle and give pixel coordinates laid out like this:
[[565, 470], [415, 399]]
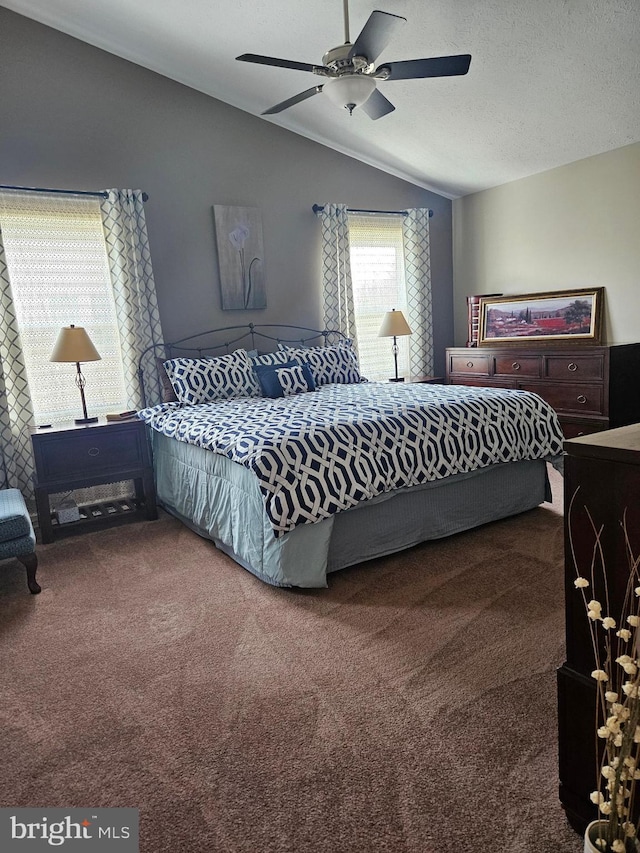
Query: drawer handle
[[469, 364], [572, 366], [94, 451], [581, 398], [515, 365]]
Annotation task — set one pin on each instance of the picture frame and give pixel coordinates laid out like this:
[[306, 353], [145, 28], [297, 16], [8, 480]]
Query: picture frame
[[563, 316], [240, 249]]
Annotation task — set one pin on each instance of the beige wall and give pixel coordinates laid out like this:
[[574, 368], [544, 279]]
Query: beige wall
[[574, 226]]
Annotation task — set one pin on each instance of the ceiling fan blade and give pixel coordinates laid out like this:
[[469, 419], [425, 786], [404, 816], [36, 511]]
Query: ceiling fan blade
[[284, 63], [308, 93], [376, 35], [377, 105], [438, 66]]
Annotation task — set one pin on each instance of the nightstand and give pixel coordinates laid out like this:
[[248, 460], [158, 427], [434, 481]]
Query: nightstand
[[76, 456]]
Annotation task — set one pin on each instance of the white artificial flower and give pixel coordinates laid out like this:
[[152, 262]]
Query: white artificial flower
[[624, 634], [599, 675], [608, 622], [617, 741], [596, 797], [608, 772], [610, 696], [637, 590], [605, 808], [613, 724], [629, 829], [581, 583], [603, 732], [630, 689], [618, 846], [620, 711], [633, 620], [594, 610]]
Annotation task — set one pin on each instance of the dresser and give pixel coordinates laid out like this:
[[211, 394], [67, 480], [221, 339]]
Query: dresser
[[592, 388], [602, 471]]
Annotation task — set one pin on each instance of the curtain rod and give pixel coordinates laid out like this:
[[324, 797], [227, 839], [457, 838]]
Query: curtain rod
[[100, 194], [317, 208]]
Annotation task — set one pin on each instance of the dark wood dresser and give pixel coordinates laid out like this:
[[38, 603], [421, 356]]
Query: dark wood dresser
[[602, 471], [592, 388]]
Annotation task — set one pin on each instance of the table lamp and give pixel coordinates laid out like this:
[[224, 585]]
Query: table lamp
[[394, 325], [74, 345]]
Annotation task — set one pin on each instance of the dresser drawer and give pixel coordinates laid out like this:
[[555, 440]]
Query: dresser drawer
[[480, 382], [565, 397], [513, 365], [91, 452], [575, 368], [574, 427], [475, 364]]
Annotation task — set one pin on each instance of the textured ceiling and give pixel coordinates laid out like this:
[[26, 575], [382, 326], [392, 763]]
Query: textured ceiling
[[551, 81]]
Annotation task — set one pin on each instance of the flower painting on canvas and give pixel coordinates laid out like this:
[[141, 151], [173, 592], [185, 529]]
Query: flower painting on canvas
[[240, 257]]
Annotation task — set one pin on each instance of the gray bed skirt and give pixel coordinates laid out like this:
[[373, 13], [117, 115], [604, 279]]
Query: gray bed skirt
[[221, 501]]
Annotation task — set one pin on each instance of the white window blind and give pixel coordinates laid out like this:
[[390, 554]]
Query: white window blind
[[377, 275], [56, 255]]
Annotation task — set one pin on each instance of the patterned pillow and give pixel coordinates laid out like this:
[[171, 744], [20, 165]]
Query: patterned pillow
[[168, 394], [283, 380], [203, 380], [269, 358], [332, 364]]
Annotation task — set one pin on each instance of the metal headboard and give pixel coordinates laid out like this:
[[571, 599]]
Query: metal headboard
[[224, 340]]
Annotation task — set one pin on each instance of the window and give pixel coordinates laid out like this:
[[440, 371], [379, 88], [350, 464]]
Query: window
[[58, 269], [377, 276]]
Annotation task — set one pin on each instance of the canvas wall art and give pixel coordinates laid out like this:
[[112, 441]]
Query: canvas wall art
[[240, 257]]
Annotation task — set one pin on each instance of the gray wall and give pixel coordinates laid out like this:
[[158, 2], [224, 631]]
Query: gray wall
[[77, 117], [571, 227]]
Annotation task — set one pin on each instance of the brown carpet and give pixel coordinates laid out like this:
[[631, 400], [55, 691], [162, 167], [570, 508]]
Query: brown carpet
[[409, 707]]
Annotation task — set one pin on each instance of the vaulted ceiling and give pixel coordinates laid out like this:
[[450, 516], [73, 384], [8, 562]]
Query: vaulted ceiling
[[550, 82]]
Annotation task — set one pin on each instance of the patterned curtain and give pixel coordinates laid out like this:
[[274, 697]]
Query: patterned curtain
[[16, 412], [417, 263], [337, 292], [133, 286]]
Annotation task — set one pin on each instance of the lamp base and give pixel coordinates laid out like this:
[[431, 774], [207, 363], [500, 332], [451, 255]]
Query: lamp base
[[86, 420], [399, 379]]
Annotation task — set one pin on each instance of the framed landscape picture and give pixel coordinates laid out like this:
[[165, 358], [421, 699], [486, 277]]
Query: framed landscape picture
[[568, 315]]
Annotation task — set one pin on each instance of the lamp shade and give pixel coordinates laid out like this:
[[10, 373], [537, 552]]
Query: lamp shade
[[74, 344], [349, 91], [394, 324]]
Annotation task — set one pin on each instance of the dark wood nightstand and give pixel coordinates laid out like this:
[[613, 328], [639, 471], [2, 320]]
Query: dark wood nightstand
[[73, 456]]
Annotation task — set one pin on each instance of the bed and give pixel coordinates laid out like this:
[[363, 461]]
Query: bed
[[296, 482]]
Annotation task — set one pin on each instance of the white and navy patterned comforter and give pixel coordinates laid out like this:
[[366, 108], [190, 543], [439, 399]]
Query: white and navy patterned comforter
[[319, 453]]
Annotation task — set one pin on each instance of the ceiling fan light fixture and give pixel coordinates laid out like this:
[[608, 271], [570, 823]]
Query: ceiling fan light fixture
[[350, 90]]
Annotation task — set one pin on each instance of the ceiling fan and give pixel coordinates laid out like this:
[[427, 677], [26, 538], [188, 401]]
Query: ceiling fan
[[350, 72]]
